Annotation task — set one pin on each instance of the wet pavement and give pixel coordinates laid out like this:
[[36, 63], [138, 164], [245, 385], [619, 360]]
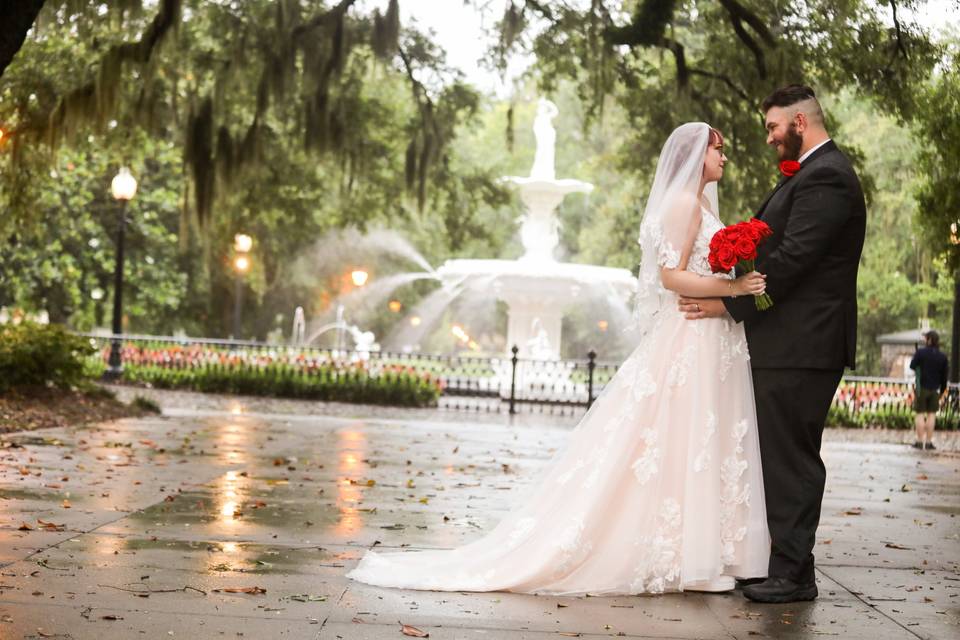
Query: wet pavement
[[228, 518]]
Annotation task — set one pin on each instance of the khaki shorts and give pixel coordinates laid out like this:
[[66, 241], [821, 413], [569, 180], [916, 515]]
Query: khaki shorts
[[927, 401]]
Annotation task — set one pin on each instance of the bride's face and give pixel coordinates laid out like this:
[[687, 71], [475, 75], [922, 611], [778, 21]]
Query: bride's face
[[713, 162]]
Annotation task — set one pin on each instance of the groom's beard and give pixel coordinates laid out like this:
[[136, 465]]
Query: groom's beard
[[792, 143]]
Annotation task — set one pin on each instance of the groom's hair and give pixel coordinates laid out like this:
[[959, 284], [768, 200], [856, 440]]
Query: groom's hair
[[798, 96]]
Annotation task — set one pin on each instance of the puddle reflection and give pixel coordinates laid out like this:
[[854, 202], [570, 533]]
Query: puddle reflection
[[233, 440], [351, 447], [229, 490]]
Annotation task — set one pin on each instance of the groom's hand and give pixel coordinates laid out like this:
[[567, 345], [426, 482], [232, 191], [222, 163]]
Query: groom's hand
[[696, 308]]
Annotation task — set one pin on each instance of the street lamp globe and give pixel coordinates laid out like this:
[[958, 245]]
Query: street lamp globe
[[242, 243], [124, 185], [242, 264], [359, 277]]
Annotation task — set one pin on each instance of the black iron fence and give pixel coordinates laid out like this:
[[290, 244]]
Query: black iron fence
[[887, 402], [495, 384], [467, 382]]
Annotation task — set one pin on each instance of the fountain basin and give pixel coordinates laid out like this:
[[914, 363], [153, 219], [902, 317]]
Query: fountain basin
[[538, 293]]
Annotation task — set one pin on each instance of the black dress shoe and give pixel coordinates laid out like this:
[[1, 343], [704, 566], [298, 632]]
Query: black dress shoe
[[746, 582], [781, 590]]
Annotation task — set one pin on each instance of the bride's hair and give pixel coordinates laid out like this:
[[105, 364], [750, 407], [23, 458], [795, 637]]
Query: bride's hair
[[715, 137]]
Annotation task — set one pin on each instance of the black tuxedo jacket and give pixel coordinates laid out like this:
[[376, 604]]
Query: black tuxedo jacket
[[818, 218]]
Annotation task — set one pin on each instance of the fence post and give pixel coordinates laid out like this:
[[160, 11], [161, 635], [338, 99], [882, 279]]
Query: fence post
[[513, 378], [591, 365]]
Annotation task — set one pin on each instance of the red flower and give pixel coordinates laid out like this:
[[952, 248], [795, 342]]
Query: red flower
[[715, 265], [789, 167], [727, 256], [746, 248], [762, 227]]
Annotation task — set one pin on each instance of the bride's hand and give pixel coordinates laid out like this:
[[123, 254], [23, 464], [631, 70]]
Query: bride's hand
[[753, 283]]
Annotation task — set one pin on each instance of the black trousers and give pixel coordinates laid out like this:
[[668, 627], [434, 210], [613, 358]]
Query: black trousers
[[792, 405]]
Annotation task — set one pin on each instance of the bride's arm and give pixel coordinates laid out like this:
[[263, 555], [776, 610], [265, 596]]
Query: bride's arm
[[687, 283], [692, 285]]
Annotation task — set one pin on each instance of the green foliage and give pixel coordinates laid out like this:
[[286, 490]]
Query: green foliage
[[279, 380], [145, 404], [65, 265], [35, 355], [902, 280], [938, 196], [885, 418], [224, 79], [286, 190], [717, 60]]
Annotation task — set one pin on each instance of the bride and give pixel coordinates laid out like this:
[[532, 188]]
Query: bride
[[659, 488]]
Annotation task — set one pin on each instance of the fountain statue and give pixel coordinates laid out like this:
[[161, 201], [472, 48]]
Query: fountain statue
[[537, 288], [546, 136]]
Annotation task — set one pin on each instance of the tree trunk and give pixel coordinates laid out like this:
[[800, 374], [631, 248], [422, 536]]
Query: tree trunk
[[18, 17]]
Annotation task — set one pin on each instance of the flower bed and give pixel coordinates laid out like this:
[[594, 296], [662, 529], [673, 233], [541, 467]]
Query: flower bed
[[275, 373], [880, 404]]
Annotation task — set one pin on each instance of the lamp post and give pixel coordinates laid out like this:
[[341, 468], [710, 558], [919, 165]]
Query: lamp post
[[955, 329], [123, 187], [242, 243]]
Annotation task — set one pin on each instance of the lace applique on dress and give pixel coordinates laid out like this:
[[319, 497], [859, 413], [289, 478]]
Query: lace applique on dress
[[703, 458], [677, 376], [660, 552], [732, 496], [647, 465]]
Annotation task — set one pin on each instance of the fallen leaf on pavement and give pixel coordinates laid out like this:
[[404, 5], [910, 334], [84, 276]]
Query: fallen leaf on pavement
[[50, 526], [24, 527], [250, 590], [306, 597], [65, 504], [894, 545], [413, 632], [856, 511]]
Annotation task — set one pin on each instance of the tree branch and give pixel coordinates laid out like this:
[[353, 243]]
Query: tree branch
[[901, 48], [333, 14], [750, 44], [735, 9], [679, 56], [724, 79]]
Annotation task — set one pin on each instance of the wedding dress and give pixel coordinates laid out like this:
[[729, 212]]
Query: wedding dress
[[658, 489]]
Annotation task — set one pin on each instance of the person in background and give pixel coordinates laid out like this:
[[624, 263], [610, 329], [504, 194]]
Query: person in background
[[930, 365]]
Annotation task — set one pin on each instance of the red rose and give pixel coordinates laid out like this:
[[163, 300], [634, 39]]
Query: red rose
[[746, 248], [716, 241], [727, 257], [715, 265], [751, 231], [789, 167], [762, 227]]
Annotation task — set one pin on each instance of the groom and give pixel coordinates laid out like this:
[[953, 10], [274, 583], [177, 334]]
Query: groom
[[800, 346]]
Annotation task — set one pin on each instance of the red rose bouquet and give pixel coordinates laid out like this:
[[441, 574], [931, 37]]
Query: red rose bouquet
[[736, 245]]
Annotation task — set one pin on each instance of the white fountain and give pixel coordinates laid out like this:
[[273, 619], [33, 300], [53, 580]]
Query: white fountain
[[537, 288]]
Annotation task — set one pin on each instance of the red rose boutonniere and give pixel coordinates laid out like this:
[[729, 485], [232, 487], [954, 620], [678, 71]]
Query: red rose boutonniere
[[789, 167]]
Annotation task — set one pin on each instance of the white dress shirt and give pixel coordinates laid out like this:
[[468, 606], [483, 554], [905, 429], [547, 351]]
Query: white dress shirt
[[807, 154]]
